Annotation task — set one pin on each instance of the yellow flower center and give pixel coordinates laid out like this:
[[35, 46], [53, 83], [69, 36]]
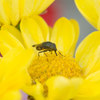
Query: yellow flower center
[[51, 65]]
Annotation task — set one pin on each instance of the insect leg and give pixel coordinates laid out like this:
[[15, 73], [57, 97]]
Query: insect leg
[[50, 51], [45, 54], [56, 53], [61, 54], [42, 51], [39, 54]]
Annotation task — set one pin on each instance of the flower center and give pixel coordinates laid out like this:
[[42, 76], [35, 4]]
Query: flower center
[[51, 65]]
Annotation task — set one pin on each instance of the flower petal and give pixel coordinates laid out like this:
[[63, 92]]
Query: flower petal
[[16, 60], [60, 88], [89, 91], [82, 97], [26, 7], [94, 63], [94, 76], [4, 18], [87, 48], [87, 9], [43, 26], [1, 58], [30, 7], [11, 95], [4, 48], [35, 90], [14, 31], [10, 72], [97, 6], [26, 77], [64, 36], [12, 9], [43, 5], [76, 29], [31, 32], [76, 84], [7, 40], [98, 24]]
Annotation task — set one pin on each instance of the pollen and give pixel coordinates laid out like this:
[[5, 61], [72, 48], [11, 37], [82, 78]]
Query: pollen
[[51, 65]]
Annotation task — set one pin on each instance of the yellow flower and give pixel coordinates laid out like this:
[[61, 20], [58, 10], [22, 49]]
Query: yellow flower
[[57, 77], [11, 77], [12, 11], [90, 9]]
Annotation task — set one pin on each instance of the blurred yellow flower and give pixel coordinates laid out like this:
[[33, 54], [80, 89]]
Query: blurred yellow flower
[[54, 77], [90, 9], [11, 77], [12, 11]]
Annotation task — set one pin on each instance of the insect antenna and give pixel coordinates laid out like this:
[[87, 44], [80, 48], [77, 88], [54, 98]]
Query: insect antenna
[[61, 54]]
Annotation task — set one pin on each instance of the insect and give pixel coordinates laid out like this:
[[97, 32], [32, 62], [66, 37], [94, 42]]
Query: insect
[[46, 46]]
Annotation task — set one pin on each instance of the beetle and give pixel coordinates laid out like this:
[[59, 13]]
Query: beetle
[[46, 46]]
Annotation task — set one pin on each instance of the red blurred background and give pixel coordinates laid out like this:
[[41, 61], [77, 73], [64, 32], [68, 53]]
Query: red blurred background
[[53, 13]]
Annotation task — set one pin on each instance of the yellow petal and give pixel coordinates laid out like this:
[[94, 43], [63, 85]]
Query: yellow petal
[[43, 5], [98, 24], [7, 41], [87, 9], [12, 9], [14, 31], [76, 29], [4, 48], [0, 24], [76, 84], [87, 48], [30, 7], [94, 76], [26, 7], [36, 5], [0, 59], [31, 32], [82, 97], [60, 88], [43, 26], [89, 91], [97, 6], [4, 18], [14, 82], [94, 63], [26, 77], [16, 61], [64, 36], [35, 90], [11, 95]]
